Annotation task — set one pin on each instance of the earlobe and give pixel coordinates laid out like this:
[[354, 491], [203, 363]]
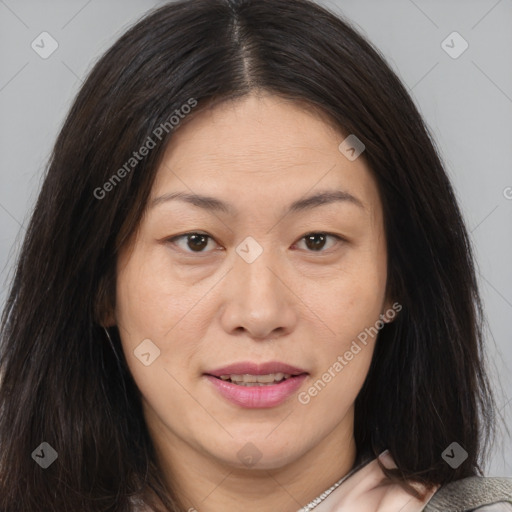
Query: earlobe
[[390, 311], [103, 309], [104, 314], [109, 320]]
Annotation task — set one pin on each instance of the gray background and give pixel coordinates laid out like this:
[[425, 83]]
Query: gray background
[[467, 103]]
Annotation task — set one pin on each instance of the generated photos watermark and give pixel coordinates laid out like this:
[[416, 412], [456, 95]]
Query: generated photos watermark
[[304, 397], [150, 143]]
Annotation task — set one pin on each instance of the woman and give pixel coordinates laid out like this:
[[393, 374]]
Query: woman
[[246, 283]]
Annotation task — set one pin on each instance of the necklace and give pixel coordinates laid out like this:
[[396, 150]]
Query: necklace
[[314, 503]]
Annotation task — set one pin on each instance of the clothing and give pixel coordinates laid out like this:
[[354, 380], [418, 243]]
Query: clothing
[[497, 507], [362, 491], [473, 493]]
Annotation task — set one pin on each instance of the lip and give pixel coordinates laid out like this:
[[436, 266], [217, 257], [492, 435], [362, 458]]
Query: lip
[[251, 368], [257, 397]]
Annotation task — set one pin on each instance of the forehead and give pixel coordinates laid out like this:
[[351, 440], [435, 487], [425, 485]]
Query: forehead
[[257, 147]]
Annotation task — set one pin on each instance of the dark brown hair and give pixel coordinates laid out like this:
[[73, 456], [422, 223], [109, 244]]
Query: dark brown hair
[[61, 381]]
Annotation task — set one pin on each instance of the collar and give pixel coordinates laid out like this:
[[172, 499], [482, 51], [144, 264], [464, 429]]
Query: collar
[[368, 490]]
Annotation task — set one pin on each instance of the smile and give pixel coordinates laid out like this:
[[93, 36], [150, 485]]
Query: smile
[[257, 395]]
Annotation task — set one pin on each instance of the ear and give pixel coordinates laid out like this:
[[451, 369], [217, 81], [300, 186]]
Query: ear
[[104, 313], [110, 320], [390, 310]]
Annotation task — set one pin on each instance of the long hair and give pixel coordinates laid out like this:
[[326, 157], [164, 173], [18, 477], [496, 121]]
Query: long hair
[[63, 382]]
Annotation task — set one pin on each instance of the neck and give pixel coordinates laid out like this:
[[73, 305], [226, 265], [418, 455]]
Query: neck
[[206, 484]]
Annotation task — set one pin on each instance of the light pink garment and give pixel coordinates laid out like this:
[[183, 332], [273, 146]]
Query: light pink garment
[[363, 492]]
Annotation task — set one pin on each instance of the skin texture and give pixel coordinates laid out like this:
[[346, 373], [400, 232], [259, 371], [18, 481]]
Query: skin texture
[[295, 303]]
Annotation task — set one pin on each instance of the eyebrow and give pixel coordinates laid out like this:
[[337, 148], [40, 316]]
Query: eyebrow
[[216, 205]]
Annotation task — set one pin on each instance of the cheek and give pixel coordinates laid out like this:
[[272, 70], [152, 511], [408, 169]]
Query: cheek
[[335, 390], [351, 308], [150, 298], [352, 299], [150, 305], [343, 364], [148, 309]]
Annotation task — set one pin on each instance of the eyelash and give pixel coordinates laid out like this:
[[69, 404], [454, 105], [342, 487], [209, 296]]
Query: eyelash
[[185, 235]]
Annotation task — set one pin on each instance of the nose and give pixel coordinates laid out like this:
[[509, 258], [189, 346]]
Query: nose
[[257, 299]]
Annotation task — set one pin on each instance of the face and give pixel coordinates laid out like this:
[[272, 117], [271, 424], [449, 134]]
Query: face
[[250, 285]]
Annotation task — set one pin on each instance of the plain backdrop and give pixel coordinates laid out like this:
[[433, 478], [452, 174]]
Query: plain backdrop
[[466, 102]]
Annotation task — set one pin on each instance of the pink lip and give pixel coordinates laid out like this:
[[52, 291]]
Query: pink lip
[[252, 397], [256, 369]]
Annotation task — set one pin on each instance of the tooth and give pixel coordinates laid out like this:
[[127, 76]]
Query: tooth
[[267, 378], [247, 379]]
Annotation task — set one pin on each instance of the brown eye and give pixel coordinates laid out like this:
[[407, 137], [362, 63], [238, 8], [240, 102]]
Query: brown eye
[[315, 242], [195, 242]]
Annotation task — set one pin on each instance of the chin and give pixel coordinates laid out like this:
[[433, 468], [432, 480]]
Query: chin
[[258, 452]]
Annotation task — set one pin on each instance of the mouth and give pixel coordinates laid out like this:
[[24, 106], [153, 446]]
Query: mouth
[[256, 380], [253, 374], [251, 385]]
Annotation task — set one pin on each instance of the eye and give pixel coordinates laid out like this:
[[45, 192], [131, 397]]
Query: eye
[[194, 241], [316, 240]]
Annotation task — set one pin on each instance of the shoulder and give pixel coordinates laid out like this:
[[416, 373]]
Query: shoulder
[[482, 494], [497, 507]]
